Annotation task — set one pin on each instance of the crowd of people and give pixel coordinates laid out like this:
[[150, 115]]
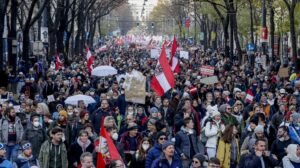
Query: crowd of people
[[216, 126]]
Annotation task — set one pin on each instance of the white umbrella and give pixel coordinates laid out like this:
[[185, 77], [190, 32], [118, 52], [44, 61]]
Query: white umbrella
[[73, 100], [104, 71]]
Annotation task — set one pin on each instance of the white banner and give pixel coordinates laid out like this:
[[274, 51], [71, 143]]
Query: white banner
[[184, 54], [135, 87]]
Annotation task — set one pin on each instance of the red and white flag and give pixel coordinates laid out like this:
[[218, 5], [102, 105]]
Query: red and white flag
[[174, 62], [90, 59], [193, 90], [164, 79], [58, 63], [249, 97], [107, 149]]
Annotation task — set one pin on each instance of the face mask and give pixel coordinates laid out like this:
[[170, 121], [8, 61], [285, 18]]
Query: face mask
[[122, 92], [70, 113], [92, 93], [115, 136], [36, 124], [38, 111], [145, 146], [130, 112], [50, 121]]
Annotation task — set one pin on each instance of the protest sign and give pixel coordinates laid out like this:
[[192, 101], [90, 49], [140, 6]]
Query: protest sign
[[209, 80], [207, 70], [283, 72], [154, 53], [184, 54], [134, 86]]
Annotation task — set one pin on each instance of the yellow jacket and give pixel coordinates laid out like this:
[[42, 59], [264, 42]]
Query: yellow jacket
[[224, 153]]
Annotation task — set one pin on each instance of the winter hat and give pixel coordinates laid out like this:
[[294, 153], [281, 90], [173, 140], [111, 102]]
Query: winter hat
[[259, 129], [210, 109], [282, 91], [215, 113], [222, 108], [132, 126], [295, 116], [63, 113], [153, 110], [26, 145], [166, 144], [236, 90]]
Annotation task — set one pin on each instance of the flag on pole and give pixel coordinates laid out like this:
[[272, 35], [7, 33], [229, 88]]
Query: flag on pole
[[174, 62], [193, 90], [58, 63], [163, 80], [90, 59], [249, 96], [108, 150]]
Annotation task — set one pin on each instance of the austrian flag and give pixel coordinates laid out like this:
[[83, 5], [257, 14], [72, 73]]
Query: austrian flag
[[90, 59], [249, 96], [174, 62], [164, 79], [58, 63]]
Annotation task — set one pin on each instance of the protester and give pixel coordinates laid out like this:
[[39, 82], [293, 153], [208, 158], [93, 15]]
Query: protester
[[86, 160], [156, 150], [213, 163], [26, 159], [292, 159], [168, 158], [198, 161], [35, 134], [141, 154], [53, 152], [4, 162]]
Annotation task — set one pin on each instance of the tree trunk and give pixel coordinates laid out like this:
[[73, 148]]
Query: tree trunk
[[251, 22], [293, 33], [3, 6], [234, 28], [26, 48], [12, 59], [272, 32]]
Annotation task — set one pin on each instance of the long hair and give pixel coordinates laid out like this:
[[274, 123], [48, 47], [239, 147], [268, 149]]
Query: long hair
[[228, 136], [142, 153]]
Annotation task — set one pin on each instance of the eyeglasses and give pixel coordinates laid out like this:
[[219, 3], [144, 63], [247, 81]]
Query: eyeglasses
[[195, 161], [162, 138], [228, 108], [238, 104]]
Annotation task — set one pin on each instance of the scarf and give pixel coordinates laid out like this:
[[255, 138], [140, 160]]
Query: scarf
[[83, 145], [292, 149]]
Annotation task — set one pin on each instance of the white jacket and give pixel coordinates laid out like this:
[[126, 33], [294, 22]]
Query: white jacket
[[212, 133]]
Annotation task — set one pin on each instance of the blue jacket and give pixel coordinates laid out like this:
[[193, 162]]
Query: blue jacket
[[253, 161], [153, 154], [162, 162], [294, 133], [6, 164]]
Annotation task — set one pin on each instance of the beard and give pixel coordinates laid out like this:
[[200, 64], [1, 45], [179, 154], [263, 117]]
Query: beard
[[12, 118]]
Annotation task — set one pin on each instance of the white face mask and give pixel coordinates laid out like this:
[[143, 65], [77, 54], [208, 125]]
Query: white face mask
[[145, 146], [36, 123], [70, 113], [115, 136], [50, 121], [130, 112]]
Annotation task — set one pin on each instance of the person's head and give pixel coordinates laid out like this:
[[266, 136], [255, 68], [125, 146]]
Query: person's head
[[104, 104], [198, 161], [259, 131], [70, 110], [260, 145], [158, 100], [116, 164], [63, 115], [145, 144], [166, 102], [213, 163], [151, 125], [293, 151], [27, 149], [81, 104], [282, 108], [130, 118], [113, 132], [2, 150], [89, 128], [83, 136], [229, 133], [161, 137], [130, 110], [168, 149], [228, 109], [209, 97], [84, 115], [35, 119], [216, 116], [283, 132], [132, 129], [86, 160], [109, 121], [188, 123], [56, 134], [187, 103]]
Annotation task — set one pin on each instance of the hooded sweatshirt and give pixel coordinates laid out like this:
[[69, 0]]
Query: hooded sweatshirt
[[26, 162]]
